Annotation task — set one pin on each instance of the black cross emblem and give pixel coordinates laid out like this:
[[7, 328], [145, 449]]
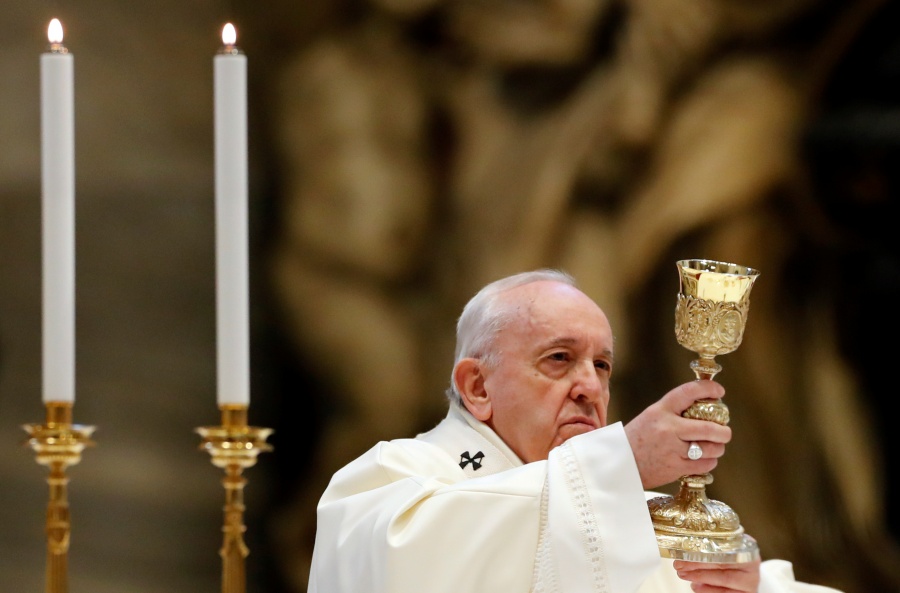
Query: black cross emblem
[[475, 460]]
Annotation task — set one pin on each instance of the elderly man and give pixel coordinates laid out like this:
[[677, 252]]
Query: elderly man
[[523, 487]]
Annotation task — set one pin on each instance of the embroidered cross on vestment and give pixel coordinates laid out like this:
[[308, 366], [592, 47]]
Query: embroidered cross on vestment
[[475, 460]]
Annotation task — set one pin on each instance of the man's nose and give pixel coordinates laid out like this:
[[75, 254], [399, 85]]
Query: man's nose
[[587, 384]]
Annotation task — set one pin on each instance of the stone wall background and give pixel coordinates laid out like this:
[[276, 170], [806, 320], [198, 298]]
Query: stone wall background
[[405, 152]]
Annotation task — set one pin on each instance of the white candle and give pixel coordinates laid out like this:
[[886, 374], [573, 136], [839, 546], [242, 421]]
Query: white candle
[[58, 218], [232, 286]]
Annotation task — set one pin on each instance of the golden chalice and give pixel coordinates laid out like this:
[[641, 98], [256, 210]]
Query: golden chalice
[[710, 315]]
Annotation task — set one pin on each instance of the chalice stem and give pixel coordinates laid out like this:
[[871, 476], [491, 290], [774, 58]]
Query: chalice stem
[[705, 367]]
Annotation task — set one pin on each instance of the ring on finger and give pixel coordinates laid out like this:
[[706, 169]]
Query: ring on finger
[[694, 452]]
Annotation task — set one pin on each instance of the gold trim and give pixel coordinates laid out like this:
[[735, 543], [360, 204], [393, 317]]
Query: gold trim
[[57, 445], [234, 446]]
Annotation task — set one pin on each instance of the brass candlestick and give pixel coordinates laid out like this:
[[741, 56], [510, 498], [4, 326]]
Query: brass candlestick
[[234, 446], [710, 316], [58, 444]]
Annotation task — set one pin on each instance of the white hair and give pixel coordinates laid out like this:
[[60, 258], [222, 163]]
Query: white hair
[[486, 314]]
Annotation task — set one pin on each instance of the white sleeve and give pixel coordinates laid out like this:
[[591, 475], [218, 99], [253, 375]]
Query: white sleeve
[[599, 531], [777, 576]]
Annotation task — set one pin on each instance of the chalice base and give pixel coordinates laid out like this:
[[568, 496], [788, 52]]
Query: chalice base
[[708, 549], [690, 526]]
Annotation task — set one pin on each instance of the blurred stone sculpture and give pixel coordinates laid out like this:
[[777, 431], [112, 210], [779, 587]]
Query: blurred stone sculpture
[[359, 200], [430, 147]]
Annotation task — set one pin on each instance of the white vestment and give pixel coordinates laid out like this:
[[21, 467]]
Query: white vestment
[[456, 511]]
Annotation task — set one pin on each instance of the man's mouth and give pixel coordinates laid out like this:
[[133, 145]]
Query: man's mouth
[[582, 420], [577, 425]]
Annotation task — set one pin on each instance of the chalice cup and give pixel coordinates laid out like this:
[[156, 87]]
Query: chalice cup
[[710, 316]]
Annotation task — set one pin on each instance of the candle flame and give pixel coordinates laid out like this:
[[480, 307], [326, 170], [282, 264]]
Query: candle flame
[[55, 31], [229, 35]]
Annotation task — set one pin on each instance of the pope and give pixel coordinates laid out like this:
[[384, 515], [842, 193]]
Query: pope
[[524, 486]]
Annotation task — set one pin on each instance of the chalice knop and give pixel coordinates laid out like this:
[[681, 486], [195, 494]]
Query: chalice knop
[[710, 316]]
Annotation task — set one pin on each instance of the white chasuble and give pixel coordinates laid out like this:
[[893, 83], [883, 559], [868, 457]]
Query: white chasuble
[[456, 511]]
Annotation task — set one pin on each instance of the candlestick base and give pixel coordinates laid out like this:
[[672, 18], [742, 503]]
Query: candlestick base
[[234, 446], [58, 444]]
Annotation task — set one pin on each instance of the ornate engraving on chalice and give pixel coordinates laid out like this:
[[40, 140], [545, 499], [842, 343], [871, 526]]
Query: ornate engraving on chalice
[[710, 316]]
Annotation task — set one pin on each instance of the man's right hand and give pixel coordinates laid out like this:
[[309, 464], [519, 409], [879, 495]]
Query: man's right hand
[[660, 436]]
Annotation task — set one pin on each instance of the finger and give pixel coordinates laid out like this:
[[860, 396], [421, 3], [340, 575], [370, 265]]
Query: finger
[[687, 566], [719, 581], [712, 577], [700, 431], [708, 450], [691, 467], [681, 398]]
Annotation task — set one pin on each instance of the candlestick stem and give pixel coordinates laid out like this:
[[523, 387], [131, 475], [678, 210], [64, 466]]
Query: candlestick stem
[[234, 446], [58, 444], [58, 530], [234, 551]]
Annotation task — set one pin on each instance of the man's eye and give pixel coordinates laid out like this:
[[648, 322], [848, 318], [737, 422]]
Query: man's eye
[[560, 356], [602, 365]]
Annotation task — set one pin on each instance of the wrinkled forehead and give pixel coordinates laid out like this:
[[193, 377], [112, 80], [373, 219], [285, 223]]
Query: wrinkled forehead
[[549, 294], [556, 310]]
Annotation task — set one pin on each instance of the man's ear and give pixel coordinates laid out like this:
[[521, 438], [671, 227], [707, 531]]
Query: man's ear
[[469, 381]]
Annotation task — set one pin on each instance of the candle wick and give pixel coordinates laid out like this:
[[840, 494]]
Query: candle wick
[[58, 48], [230, 49]]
